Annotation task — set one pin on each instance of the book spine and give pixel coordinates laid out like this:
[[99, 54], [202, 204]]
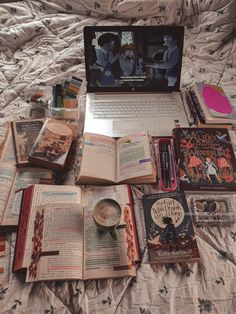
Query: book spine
[[197, 106], [134, 224], [22, 230]]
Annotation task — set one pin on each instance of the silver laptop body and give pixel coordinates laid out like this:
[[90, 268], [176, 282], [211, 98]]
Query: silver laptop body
[[133, 79]]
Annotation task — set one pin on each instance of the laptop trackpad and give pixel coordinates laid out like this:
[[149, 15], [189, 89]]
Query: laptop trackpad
[[127, 126]]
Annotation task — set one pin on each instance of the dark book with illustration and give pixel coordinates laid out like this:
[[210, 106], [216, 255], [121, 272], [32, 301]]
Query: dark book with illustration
[[211, 209], [206, 159], [24, 134], [169, 229]]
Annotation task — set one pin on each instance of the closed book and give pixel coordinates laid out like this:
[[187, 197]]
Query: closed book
[[52, 145], [206, 159], [24, 134], [169, 229]]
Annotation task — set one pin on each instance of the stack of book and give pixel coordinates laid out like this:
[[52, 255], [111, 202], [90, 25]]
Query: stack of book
[[209, 104]]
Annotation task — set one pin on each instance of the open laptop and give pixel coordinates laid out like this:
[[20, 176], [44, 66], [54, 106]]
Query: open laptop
[[133, 79]]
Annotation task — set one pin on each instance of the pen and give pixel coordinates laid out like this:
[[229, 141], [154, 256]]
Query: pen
[[165, 166], [171, 164]]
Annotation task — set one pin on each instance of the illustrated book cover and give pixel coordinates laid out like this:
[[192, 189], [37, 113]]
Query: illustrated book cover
[[169, 229], [128, 159], [58, 239], [214, 103], [206, 160], [212, 209], [52, 145], [24, 134]]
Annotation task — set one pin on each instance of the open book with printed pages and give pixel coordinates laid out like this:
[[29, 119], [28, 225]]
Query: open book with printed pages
[[57, 237], [13, 179], [213, 104], [128, 159]]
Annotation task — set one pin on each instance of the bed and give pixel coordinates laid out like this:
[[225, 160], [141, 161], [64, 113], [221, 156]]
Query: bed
[[41, 43]]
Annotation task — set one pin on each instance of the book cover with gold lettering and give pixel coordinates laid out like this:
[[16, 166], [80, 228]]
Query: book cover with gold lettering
[[169, 229], [206, 159]]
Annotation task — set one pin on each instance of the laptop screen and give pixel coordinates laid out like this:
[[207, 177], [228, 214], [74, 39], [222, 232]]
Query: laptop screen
[[133, 58]]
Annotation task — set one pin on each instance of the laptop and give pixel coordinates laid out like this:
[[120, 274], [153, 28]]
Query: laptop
[[133, 79]]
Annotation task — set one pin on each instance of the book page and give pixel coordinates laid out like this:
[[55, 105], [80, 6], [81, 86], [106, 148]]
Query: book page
[[8, 151], [48, 194], [121, 193], [98, 157], [7, 175], [57, 250], [133, 157], [105, 257], [24, 178]]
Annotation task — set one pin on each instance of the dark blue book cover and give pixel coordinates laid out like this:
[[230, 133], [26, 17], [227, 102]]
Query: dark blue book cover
[[169, 229]]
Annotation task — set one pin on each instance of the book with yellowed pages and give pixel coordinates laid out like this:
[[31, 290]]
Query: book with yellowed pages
[[128, 159], [12, 180], [58, 239], [24, 134], [52, 145]]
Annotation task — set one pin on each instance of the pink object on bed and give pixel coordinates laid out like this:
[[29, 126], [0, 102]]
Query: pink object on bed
[[216, 100]]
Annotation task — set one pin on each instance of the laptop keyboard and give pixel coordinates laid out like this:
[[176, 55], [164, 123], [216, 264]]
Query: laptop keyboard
[[163, 106]]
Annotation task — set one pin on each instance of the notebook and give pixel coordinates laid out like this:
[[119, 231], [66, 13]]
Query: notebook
[[133, 79]]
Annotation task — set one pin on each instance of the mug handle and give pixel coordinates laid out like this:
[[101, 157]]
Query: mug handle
[[114, 233]]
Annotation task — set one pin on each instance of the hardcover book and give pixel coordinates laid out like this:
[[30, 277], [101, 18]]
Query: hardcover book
[[128, 159], [211, 209], [169, 229], [24, 134], [58, 239], [52, 145], [206, 159]]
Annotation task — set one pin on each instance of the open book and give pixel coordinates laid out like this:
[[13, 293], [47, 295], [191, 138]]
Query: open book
[[13, 179], [58, 239], [128, 159]]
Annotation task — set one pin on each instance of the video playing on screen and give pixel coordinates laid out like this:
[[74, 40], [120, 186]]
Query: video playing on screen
[[134, 59]]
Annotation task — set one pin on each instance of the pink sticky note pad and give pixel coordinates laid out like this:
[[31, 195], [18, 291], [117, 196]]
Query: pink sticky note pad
[[215, 100]]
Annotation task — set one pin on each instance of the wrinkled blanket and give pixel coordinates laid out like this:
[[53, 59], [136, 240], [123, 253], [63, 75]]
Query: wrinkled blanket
[[41, 43]]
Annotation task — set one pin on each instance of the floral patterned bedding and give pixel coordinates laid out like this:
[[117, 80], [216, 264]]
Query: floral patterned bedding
[[41, 43]]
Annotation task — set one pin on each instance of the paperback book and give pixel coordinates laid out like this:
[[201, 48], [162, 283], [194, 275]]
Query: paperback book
[[206, 160], [52, 145], [129, 159], [13, 179], [169, 229], [24, 134]]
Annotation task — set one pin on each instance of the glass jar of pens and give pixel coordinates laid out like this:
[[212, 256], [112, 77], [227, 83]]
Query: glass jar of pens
[[166, 164], [64, 103]]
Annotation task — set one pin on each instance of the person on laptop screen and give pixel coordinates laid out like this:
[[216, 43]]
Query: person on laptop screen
[[170, 62], [106, 55]]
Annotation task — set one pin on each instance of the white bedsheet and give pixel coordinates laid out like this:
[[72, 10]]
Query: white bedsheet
[[41, 43]]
